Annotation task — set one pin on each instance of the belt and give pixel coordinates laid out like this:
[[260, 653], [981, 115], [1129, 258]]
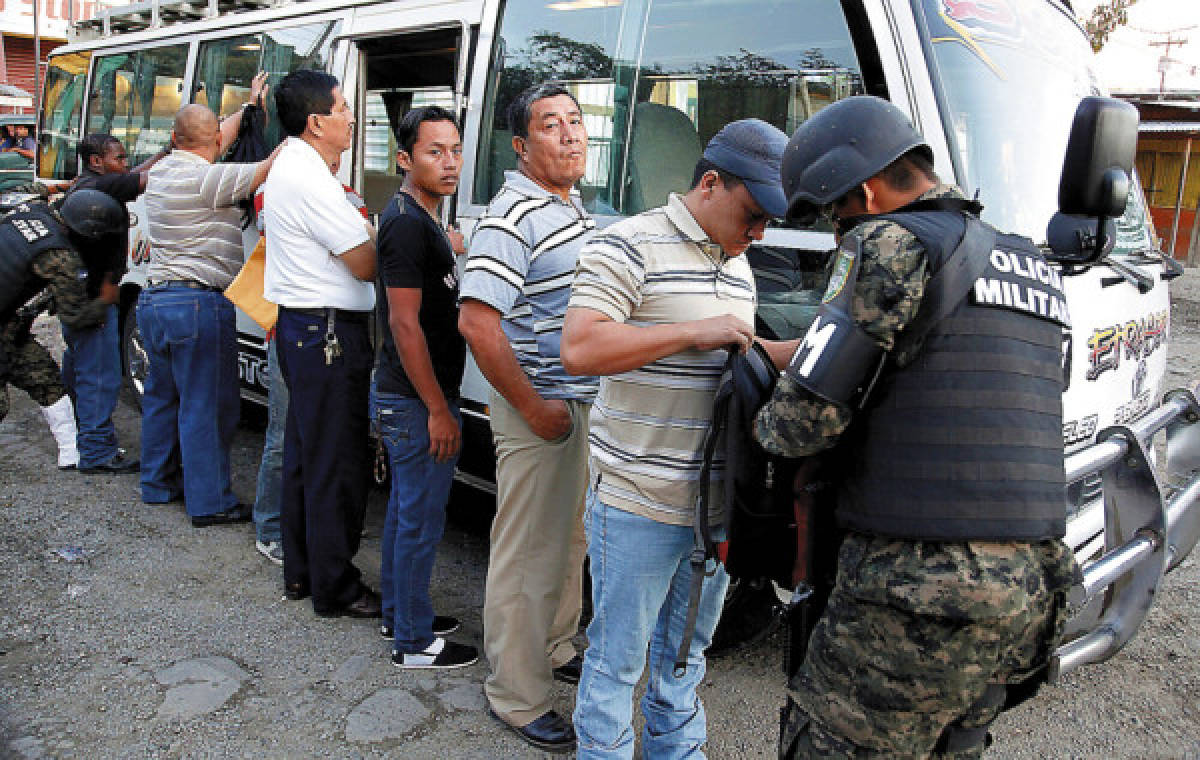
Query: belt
[[342, 315], [185, 284]]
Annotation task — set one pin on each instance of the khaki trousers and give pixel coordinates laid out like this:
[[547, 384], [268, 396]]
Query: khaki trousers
[[535, 571]]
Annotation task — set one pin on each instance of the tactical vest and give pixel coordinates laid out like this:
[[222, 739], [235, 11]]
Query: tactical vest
[[964, 442], [25, 232]]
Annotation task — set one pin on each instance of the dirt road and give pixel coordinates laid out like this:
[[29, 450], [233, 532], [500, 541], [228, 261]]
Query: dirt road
[[126, 633]]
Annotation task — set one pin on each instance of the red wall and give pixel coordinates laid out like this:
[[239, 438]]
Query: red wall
[[18, 60], [1164, 218]]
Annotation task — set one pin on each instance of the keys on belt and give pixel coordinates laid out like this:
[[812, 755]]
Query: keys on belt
[[333, 349]]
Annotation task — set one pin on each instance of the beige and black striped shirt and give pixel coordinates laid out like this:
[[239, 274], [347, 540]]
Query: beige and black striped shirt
[[648, 425], [195, 228]]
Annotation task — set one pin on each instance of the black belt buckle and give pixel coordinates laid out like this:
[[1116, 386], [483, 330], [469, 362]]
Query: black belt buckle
[[184, 284], [340, 315]]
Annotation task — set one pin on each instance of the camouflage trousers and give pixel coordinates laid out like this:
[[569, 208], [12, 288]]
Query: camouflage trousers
[[911, 655], [28, 365]]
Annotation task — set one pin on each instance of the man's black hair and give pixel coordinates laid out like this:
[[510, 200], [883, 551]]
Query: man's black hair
[[520, 110], [301, 93], [95, 144], [410, 125], [902, 173], [704, 166]]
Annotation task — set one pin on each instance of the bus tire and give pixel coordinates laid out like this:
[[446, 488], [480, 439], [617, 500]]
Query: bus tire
[[134, 362]]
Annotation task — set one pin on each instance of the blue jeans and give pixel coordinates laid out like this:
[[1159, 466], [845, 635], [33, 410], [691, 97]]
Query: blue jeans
[[191, 404], [269, 490], [640, 582], [416, 517], [91, 371]]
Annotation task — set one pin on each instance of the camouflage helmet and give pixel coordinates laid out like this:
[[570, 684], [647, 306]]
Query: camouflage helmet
[[93, 214], [841, 147]]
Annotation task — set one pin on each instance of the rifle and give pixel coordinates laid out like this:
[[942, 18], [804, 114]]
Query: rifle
[[818, 539], [24, 316]]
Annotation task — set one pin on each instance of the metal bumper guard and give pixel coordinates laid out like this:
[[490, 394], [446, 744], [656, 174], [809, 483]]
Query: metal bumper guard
[[1148, 528]]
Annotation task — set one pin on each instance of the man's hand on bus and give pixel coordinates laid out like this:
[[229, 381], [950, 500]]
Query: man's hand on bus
[[258, 89], [549, 419]]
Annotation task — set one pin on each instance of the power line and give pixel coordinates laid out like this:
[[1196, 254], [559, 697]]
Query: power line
[[1167, 32]]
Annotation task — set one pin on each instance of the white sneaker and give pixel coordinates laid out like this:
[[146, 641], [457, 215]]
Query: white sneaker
[[272, 550], [441, 655]]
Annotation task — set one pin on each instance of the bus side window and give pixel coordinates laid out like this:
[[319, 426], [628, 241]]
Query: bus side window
[[135, 97], [226, 66], [656, 80], [62, 106]]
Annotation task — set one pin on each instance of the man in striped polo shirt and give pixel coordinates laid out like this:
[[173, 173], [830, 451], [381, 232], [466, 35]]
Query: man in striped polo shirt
[[190, 407], [514, 292], [656, 297]]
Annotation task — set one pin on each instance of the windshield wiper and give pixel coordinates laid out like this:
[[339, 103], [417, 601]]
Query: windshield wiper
[[1132, 275]]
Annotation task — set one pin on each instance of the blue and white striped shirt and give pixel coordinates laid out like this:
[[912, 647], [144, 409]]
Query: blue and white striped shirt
[[521, 263]]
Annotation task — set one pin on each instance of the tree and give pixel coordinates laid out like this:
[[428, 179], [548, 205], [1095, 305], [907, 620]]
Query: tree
[[1106, 17]]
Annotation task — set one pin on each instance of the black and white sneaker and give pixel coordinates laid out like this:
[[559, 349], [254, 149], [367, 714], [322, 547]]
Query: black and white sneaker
[[441, 654], [443, 625]]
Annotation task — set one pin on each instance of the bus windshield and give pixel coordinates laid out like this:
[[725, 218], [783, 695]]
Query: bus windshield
[[1010, 75]]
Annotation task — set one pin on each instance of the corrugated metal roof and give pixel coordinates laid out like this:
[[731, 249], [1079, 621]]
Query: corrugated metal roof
[[1173, 127]]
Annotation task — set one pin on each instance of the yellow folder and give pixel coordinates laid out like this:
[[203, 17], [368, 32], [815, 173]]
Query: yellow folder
[[246, 290]]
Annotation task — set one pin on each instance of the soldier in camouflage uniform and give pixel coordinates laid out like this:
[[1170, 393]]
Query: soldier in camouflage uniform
[[952, 578], [43, 269]]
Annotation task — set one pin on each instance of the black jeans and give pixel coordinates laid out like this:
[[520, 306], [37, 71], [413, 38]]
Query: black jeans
[[325, 462]]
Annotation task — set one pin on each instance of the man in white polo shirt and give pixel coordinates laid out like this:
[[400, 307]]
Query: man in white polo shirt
[[320, 268]]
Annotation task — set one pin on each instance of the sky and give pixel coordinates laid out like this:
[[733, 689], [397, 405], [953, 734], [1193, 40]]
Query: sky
[[1128, 62]]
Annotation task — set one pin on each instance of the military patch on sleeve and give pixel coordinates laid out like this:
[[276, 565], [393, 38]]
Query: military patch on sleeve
[[843, 265]]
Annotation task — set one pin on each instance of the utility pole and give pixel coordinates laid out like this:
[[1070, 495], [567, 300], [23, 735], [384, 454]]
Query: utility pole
[[1165, 61]]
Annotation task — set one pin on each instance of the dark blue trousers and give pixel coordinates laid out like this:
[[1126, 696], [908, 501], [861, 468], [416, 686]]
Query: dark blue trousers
[[325, 462]]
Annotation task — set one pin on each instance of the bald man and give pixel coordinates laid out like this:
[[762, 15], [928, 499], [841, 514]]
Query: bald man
[[190, 407]]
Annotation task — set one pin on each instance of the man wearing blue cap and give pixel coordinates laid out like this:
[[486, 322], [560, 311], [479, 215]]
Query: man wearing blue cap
[[655, 300]]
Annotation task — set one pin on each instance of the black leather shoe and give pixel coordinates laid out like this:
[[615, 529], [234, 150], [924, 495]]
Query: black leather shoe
[[367, 605], [569, 671], [118, 465], [238, 513], [549, 733], [294, 592]]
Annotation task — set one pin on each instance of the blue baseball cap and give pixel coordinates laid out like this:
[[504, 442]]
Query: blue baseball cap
[[752, 151]]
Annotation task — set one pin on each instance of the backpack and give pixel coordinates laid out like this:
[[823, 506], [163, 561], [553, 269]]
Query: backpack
[[760, 535]]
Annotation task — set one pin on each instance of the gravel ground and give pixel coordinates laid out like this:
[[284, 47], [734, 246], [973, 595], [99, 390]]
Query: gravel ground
[[150, 638]]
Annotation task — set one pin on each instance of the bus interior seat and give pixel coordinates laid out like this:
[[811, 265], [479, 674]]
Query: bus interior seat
[[663, 151]]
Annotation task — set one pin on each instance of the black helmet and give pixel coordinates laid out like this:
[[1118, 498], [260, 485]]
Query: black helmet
[[93, 214], [842, 146]]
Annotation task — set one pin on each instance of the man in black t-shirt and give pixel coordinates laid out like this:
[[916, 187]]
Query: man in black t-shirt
[[92, 362], [417, 385]]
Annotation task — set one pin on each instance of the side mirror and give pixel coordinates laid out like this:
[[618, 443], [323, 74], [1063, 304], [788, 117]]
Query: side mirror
[[1095, 178]]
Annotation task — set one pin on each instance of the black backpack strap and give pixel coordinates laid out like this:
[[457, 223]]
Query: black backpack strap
[[703, 547], [947, 286]]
